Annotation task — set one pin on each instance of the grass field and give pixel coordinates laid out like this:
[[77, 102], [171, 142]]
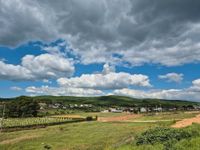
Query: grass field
[[90, 135], [168, 116]]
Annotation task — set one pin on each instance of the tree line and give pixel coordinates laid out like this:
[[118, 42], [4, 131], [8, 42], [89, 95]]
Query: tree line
[[21, 107]]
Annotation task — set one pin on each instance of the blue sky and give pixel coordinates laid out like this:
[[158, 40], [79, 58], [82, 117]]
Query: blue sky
[[135, 48], [14, 88]]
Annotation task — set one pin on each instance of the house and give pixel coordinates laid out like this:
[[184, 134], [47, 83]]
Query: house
[[42, 105], [143, 110], [159, 109], [172, 109], [105, 111], [64, 107], [56, 105], [114, 110], [128, 109], [196, 107]]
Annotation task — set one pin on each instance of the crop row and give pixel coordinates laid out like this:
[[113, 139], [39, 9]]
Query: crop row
[[21, 122]]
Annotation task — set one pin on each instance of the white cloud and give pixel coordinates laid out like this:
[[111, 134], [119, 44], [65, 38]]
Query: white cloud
[[172, 77], [47, 65], [195, 86], [190, 93], [108, 69], [106, 80], [160, 94], [196, 82], [92, 84], [14, 72], [44, 66], [62, 91], [15, 88]]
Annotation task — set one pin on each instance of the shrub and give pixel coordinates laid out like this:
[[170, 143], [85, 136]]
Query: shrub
[[47, 147], [89, 118], [165, 136]]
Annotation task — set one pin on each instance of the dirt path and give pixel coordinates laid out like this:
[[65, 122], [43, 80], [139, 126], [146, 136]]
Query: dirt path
[[149, 121], [19, 139], [118, 118], [187, 122]]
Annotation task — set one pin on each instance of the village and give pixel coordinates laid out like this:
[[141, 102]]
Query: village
[[117, 109]]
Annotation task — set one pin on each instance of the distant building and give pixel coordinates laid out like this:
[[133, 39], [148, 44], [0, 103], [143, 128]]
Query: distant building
[[105, 111], [42, 105], [158, 109], [143, 110], [114, 110]]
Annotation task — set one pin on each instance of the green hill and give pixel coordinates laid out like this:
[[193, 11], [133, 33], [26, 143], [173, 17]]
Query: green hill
[[113, 100]]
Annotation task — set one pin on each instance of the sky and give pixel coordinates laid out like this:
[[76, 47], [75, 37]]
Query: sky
[[136, 48]]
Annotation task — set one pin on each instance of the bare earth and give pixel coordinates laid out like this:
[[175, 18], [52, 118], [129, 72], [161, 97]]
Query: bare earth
[[187, 122], [118, 118]]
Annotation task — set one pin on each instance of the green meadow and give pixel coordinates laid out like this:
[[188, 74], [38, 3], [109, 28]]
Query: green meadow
[[95, 135]]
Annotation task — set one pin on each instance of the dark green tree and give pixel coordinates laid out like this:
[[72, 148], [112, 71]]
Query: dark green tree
[[22, 107]]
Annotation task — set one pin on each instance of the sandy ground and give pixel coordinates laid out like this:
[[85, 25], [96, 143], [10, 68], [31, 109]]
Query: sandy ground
[[118, 118], [187, 122]]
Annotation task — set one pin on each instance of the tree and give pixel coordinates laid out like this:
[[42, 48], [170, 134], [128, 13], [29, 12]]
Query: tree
[[22, 107]]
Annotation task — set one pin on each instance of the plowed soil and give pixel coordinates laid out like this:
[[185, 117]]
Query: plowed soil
[[119, 118]]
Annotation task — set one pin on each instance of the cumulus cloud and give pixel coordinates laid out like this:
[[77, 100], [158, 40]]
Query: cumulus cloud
[[172, 77], [14, 72], [44, 66], [160, 94], [108, 69], [62, 91], [140, 31], [195, 85], [106, 80], [92, 84], [196, 82], [173, 94], [190, 93]]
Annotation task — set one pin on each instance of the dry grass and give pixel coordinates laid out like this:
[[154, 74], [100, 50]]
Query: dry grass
[[19, 139]]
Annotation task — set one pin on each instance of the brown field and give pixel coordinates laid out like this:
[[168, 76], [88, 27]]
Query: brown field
[[119, 118]]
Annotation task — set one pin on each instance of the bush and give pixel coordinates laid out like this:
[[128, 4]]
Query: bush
[[47, 147], [89, 118], [165, 136]]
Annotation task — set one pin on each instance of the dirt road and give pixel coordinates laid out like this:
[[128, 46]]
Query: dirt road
[[187, 122]]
